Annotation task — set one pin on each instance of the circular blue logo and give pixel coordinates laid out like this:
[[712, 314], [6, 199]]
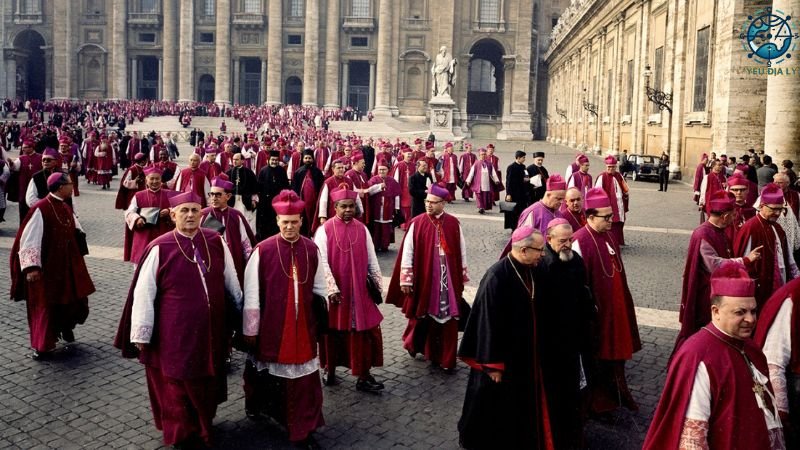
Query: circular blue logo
[[767, 37]]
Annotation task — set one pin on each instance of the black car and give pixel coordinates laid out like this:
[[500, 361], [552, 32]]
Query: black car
[[644, 166]]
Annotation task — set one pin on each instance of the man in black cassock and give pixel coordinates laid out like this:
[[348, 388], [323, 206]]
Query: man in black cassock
[[565, 313], [505, 404], [271, 181], [369, 155], [418, 187], [307, 183], [244, 182], [518, 189], [538, 177]]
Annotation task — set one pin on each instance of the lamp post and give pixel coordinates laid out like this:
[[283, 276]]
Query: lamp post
[[662, 99]]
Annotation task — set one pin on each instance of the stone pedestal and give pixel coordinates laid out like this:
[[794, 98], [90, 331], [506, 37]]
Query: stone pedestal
[[442, 110], [517, 126]]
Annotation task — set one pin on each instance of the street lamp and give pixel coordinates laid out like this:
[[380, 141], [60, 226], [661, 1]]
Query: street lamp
[[591, 107], [662, 99], [561, 112]]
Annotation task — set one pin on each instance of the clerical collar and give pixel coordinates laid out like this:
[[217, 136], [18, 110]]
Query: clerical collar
[[56, 197], [726, 334], [288, 241], [186, 235], [154, 191], [438, 216], [221, 209]]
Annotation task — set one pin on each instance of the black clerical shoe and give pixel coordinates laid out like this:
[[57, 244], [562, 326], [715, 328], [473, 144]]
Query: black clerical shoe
[[481, 211], [68, 336], [368, 386], [372, 380], [308, 443], [41, 356], [448, 370]]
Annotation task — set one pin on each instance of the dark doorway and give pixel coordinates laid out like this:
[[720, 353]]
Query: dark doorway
[[250, 81], [485, 79], [358, 89], [294, 91], [147, 78], [31, 74], [205, 89]]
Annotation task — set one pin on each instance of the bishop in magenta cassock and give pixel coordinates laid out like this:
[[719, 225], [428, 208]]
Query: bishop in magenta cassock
[[505, 405], [572, 208], [48, 270], [237, 234], [284, 274], [709, 247], [743, 210], [176, 321], [617, 332], [717, 394], [354, 339], [428, 281], [712, 182], [483, 180], [138, 231], [325, 208], [616, 189], [465, 163], [384, 204], [448, 171], [28, 163], [402, 172], [132, 182], [581, 179], [193, 179], [776, 266]]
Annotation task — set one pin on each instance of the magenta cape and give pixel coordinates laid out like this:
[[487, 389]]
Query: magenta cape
[[618, 333], [764, 270], [736, 420], [581, 181], [136, 240], [347, 258], [426, 254], [576, 220], [388, 195], [232, 218], [275, 256], [742, 213], [402, 171], [769, 312], [333, 184], [607, 183], [124, 195], [190, 334], [197, 179], [695, 309]]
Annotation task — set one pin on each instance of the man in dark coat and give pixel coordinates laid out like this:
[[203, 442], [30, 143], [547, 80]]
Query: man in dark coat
[[505, 404], [271, 180], [517, 189], [307, 183], [418, 187], [245, 184], [539, 176]]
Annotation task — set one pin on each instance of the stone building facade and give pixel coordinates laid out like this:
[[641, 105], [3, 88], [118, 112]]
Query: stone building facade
[[604, 55], [371, 54]]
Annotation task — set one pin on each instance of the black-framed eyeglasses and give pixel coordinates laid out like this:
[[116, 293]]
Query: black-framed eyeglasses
[[215, 194], [538, 249], [433, 202], [778, 209], [607, 218]]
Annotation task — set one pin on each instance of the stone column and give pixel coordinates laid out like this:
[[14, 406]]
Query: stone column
[[674, 82], [782, 127], [602, 108], [222, 75], [332, 56], [275, 53], [345, 81], [311, 54], [384, 69], [71, 54], [60, 78], [134, 78], [160, 91], [169, 49], [641, 104], [11, 77], [119, 52], [186, 92], [236, 80], [371, 85], [263, 82], [616, 73], [517, 123]]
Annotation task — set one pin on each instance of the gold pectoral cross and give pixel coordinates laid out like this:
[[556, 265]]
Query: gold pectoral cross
[[759, 390]]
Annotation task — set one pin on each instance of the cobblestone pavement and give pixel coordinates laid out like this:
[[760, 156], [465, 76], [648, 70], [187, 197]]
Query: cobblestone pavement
[[91, 397]]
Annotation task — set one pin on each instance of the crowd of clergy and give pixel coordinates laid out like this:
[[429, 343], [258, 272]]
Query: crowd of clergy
[[267, 242]]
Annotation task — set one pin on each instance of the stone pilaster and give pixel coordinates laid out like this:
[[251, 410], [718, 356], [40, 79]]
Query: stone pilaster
[[782, 133], [275, 53], [641, 109], [332, 56], [169, 47], [263, 81], [385, 63], [616, 88], [371, 85], [60, 79], [311, 54], [516, 124], [186, 92], [119, 54], [345, 81], [675, 66], [222, 75]]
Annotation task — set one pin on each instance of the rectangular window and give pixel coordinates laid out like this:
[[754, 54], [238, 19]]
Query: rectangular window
[[30, 6], [359, 41], [208, 7], [360, 8], [94, 6], [147, 38], [296, 8], [294, 39], [658, 75], [206, 38], [489, 11], [148, 6], [701, 70], [631, 77], [251, 6]]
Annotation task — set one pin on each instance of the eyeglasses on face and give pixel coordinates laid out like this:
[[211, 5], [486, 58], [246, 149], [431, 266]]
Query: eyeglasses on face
[[215, 194], [607, 218]]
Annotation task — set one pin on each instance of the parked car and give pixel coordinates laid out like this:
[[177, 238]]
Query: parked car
[[644, 166]]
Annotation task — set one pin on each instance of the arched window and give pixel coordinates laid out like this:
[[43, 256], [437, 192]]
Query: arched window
[[360, 8], [415, 84]]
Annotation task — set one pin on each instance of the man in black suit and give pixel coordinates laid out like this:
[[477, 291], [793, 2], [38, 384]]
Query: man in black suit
[[518, 189], [369, 155], [538, 176], [418, 188]]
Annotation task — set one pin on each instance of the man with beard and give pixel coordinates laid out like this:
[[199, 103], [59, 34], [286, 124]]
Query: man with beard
[[281, 375], [617, 333], [244, 196], [517, 189], [566, 314], [237, 233], [777, 267], [505, 404], [384, 205], [307, 183], [48, 270], [572, 208], [176, 321], [142, 228], [132, 182], [538, 175], [193, 179], [271, 180]]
